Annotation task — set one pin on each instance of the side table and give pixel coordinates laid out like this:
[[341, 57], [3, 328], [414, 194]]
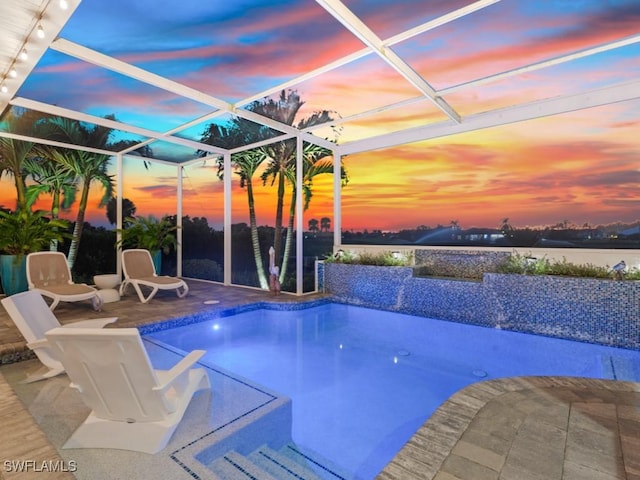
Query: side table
[[107, 287]]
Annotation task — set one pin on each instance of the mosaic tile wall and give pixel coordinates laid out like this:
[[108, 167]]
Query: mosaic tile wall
[[457, 263], [587, 309], [319, 275], [597, 311], [380, 286]]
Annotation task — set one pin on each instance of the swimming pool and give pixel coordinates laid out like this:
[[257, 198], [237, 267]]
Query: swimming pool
[[362, 381]]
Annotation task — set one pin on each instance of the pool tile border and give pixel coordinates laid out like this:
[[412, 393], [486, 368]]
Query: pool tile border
[[227, 312]]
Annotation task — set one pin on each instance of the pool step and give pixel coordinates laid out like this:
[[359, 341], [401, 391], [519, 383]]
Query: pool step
[[280, 465], [233, 466], [323, 467], [264, 463]]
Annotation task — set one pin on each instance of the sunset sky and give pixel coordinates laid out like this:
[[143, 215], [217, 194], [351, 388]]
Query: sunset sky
[[583, 167]]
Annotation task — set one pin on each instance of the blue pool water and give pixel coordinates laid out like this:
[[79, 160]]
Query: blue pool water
[[362, 381]]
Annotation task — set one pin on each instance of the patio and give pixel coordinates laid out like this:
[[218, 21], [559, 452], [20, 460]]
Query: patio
[[525, 428]]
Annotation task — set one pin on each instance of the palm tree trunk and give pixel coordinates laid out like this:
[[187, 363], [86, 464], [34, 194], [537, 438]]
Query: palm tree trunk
[[289, 239], [21, 190], [55, 211], [277, 240], [78, 227], [255, 239]]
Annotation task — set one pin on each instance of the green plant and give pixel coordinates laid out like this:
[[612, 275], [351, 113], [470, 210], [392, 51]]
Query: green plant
[[573, 270], [341, 257], [23, 231], [543, 266], [633, 274], [149, 232], [202, 268], [389, 259], [523, 264]]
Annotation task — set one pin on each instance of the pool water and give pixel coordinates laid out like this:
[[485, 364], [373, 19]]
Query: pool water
[[362, 381]]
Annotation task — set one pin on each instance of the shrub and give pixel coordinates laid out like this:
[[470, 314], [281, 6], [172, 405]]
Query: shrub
[[388, 259], [202, 268], [543, 266]]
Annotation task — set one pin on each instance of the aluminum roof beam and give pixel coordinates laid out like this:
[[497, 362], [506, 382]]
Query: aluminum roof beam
[[366, 36], [529, 111], [420, 29], [83, 117]]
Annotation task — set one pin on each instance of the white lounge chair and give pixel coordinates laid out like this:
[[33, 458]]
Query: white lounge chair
[[133, 406], [139, 271], [32, 316], [49, 273]]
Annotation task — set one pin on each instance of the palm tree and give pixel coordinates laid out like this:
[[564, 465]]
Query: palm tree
[[245, 165], [54, 179], [88, 167], [315, 161], [13, 153], [325, 224], [128, 209], [282, 155], [313, 225]]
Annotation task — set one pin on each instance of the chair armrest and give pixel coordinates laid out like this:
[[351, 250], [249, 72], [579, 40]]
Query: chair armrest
[[41, 343], [91, 323], [178, 369]]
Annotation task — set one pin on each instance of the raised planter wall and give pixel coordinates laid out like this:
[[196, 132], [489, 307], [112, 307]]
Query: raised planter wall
[[597, 311], [586, 309], [458, 263]]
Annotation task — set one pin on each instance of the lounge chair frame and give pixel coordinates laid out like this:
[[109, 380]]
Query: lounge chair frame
[[49, 273], [139, 271]]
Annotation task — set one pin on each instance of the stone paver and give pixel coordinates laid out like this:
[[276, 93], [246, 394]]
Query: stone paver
[[479, 454], [461, 467]]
